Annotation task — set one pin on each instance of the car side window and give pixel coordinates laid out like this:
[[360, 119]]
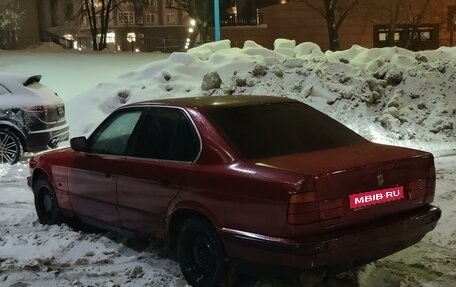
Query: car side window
[[113, 137], [166, 134]]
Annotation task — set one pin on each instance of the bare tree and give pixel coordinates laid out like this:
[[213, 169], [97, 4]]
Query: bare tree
[[98, 13], [11, 16], [334, 12], [394, 12], [199, 10], [406, 13], [416, 20]]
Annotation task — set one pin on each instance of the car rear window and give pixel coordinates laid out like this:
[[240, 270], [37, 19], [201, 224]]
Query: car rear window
[[268, 130]]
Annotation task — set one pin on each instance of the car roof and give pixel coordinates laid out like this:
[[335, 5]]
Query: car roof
[[214, 102]]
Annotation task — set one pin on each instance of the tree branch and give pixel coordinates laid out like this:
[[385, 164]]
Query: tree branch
[[344, 15], [316, 9]]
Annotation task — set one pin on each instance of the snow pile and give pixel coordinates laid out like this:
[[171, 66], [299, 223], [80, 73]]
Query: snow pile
[[389, 94], [47, 47]]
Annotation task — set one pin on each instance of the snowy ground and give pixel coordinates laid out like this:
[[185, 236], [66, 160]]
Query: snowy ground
[[388, 95]]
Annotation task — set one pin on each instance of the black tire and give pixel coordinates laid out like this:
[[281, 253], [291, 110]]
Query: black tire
[[46, 204], [202, 257], [10, 147]]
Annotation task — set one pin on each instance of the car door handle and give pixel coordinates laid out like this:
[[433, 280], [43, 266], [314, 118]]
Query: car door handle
[[164, 182]]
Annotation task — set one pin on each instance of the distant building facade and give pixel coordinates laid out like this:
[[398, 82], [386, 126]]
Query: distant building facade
[[147, 27], [368, 25]]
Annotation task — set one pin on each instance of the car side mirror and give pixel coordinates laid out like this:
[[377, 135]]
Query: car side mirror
[[79, 144]]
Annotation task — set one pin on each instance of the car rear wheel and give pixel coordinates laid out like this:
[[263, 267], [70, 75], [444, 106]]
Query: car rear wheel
[[10, 147], [46, 204], [202, 257]]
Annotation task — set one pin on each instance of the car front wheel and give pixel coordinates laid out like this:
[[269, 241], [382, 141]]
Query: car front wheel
[[202, 257], [46, 204], [10, 147]]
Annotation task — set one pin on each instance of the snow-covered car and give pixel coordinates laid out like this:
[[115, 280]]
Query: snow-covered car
[[32, 117], [241, 181]]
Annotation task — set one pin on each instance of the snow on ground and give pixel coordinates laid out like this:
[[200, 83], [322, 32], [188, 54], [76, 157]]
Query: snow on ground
[[388, 95]]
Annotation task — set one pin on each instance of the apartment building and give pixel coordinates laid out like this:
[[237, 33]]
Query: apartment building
[[368, 24], [148, 26]]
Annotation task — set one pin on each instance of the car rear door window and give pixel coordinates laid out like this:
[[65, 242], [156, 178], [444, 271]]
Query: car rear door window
[[166, 134], [112, 138]]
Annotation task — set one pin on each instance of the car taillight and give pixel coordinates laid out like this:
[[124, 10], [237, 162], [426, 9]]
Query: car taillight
[[303, 208], [416, 188], [430, 185], [331, 209]]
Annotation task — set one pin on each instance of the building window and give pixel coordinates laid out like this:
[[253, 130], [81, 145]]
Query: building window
[[383, 36], [110, 37], [151, 18], [424, 36], [126, 17], [152, 3], [171, 18]]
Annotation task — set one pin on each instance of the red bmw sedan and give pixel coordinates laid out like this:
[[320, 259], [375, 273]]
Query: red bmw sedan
[[241, 181]]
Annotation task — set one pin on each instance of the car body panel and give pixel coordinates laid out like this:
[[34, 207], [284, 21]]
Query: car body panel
[[144, 193], [92, 186]]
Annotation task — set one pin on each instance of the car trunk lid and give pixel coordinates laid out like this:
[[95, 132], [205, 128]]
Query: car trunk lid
[[360, 171]]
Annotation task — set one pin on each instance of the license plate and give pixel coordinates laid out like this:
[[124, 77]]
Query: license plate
[[369, 198], [60, 110]]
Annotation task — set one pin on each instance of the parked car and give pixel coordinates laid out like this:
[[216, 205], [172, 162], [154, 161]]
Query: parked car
[[241, 181], [32, 117]]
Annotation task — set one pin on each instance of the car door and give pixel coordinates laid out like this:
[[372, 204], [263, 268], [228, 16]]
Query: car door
[[93, 176], [163, 147]]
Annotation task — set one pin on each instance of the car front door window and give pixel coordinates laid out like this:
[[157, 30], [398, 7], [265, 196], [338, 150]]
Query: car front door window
[[112, 139]]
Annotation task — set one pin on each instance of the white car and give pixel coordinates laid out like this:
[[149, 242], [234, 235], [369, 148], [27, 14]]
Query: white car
[[32, 117]]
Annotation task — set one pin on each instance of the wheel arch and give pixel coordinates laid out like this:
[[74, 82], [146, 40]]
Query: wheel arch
[[16, 130], [177, 219], [37, 173]]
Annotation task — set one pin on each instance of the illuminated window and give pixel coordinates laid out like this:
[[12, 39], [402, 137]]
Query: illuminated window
[[397, 36], [383, 36], [110, 37], [424, 36], [131, 37]]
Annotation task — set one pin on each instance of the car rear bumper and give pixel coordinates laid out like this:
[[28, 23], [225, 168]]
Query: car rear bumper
[[49, 138], [349, 247]]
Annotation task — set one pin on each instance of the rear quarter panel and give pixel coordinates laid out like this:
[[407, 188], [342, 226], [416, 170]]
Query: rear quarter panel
[[239, 196]]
